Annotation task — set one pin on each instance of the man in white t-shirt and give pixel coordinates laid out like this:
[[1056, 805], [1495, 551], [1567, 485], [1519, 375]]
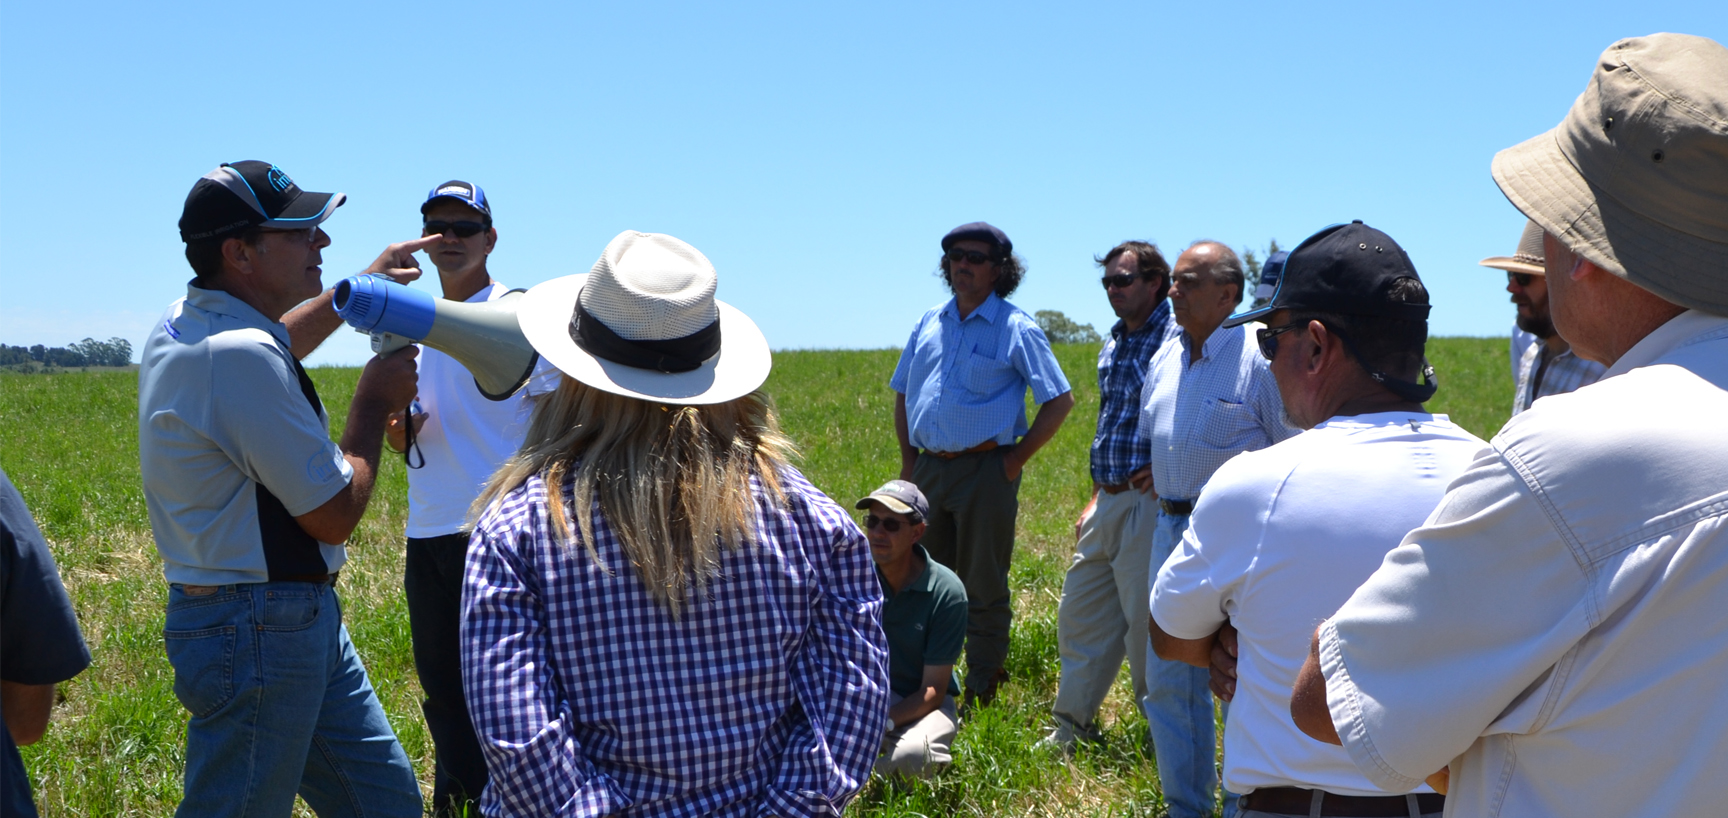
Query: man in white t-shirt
[[461, 438], [1553, 635], [1283, 535]]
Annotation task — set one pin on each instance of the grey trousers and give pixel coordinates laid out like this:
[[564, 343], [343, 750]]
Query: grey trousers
[[973, 505], [1102, 617], [922, 747]]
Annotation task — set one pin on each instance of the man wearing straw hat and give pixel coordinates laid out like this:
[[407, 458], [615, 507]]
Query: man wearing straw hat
[[659, 612], [1553, 636], [1543, 363]]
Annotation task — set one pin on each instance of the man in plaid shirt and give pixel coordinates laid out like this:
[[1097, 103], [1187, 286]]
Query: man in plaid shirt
[[1103, 612]]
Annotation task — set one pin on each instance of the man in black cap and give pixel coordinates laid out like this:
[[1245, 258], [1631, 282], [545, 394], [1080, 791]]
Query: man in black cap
[[250, 502], [961, 420], [1282, 536], [461, 438]]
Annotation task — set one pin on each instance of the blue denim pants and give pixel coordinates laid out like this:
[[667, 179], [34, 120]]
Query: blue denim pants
[[280, 706], [1179, 708]]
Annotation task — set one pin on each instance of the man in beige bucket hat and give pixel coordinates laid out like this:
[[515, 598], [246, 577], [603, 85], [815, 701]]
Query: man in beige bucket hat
[[1553, 636], [1543, 363]]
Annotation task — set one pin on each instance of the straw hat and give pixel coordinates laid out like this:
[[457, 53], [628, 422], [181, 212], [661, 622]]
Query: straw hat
[[1636, 178], [1529, 257], [644, 323]]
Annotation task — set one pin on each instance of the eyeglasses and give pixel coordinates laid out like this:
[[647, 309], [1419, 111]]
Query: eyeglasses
[[889, 525], [968, 256], [1521, 279], [1120, 281], [1268, 337], [306, 235], [462, 229]]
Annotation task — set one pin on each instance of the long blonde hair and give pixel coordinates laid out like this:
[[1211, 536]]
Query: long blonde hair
[[672, 481]]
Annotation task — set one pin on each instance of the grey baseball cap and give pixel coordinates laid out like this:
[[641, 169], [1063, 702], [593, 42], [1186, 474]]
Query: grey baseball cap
[[899, 497]]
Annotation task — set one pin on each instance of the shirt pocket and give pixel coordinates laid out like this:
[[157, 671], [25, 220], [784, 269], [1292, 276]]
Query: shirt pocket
[[1228, 426], [984, 375]]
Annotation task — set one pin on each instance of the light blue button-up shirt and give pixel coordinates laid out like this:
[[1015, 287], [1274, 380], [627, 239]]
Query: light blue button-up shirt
[[965, 381], [1200, 414]]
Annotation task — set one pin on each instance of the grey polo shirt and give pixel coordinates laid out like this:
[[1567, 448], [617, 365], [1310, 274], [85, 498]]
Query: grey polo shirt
[[233, 444]]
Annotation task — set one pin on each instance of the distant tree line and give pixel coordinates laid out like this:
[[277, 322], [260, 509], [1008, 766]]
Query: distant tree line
[[88, 352]]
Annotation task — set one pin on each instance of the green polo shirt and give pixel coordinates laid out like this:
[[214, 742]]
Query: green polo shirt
[[925, 624]]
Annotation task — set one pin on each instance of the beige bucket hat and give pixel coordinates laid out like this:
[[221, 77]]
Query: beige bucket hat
[[644, 323], [1636, 177], [1527, 259]]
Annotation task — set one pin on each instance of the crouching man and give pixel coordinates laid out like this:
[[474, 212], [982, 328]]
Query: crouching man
[[924, 618]]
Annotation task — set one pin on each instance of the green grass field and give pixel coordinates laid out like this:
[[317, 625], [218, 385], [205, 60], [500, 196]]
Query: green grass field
[[115, 745]]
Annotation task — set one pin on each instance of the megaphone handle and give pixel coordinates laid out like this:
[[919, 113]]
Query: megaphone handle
[[411, 446]]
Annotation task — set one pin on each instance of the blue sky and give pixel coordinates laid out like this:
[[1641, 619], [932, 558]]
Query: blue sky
[[816, 152]]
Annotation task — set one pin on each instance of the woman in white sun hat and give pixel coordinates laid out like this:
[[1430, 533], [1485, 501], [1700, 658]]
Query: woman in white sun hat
[[659, 611]]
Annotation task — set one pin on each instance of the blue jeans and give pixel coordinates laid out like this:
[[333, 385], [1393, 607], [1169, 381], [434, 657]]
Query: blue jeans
[[280, 705], [1179, 709]]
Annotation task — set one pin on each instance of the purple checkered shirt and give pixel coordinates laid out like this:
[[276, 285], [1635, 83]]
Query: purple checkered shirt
[[1117, 449], [767, 695]]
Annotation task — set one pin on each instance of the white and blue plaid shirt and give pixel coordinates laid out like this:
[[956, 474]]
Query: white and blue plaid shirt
[[1200, 415], [1540, 374], [1117, 449], [965, 381], [767, 695]]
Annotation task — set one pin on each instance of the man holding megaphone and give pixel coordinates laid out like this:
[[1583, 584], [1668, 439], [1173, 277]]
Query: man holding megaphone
[[250, 503], [461, 436]]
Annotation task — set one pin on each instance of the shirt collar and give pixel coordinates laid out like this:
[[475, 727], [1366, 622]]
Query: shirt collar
[[987, 310], [1154, 323], [1216, 343], [923, 583], [223, 303], [1679, 330]]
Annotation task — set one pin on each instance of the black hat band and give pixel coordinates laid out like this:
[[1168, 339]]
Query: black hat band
[[670, 356]]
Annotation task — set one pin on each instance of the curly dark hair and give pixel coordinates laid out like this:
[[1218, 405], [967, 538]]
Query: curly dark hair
[[1010, 270], [1395, 346], [1148, 261]]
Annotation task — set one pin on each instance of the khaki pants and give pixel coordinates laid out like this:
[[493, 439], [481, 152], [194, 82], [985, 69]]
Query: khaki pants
[[1102, 616], [920, 748], [972, 509]]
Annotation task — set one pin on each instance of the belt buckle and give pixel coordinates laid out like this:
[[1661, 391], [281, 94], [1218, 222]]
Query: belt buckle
[[199, 590]]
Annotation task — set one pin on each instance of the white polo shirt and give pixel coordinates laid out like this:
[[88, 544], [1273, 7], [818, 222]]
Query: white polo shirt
[[233, 444], [467, 435], [1556, 631], [1279, 539]]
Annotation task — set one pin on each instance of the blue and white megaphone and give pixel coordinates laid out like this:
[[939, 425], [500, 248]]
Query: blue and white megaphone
[[483, 337]]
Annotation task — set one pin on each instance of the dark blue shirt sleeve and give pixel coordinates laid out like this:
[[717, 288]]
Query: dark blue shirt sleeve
[[39, 638]]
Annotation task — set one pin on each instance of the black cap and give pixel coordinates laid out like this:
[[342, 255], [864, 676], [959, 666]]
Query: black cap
[[1345, 268], [978, 231], [246, 194], [468, 194]]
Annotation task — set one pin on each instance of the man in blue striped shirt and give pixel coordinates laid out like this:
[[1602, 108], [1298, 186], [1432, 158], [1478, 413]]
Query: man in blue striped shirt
[[1208, 398], [961, 420], [1103, 612]]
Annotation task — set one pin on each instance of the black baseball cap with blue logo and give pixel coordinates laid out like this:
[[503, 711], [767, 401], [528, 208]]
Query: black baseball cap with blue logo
[[468, 194], [236, 196]]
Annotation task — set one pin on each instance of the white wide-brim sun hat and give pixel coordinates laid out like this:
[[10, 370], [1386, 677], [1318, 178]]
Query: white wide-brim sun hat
[[648, 306]]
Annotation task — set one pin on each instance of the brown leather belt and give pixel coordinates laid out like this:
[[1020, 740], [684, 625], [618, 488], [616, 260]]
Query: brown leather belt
[[982, 447], [1177, 508], [1116, 488], [1298, 801]]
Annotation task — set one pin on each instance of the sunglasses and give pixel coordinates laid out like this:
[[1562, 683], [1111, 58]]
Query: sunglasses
[[305, 234], [889, 525], [1521, 279], [1120, 281], [462, 229], [968, 256], [1268, 337]]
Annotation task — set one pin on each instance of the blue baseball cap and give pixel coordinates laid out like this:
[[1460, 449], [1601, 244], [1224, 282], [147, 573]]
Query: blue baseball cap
[[468, 194], [899, 497]]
